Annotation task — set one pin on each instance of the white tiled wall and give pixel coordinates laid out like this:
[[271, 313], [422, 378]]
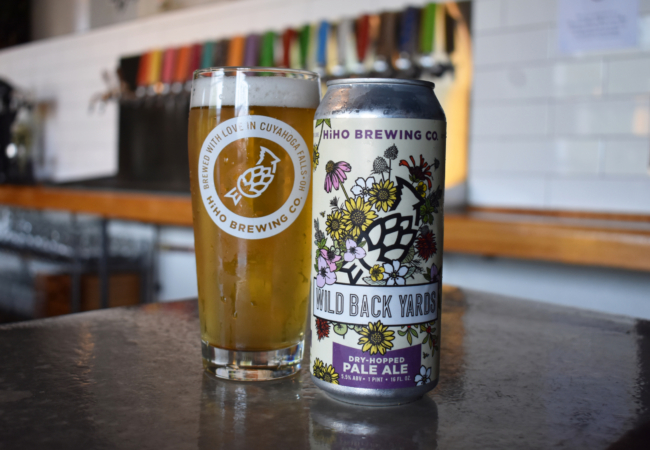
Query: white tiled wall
[[552, 131], [65, 72]]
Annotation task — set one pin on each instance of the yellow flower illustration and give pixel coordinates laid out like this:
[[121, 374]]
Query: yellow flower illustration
[[376, 338], [330, 375], [335, 225], [318, 368], [315, 156], [357, 215], [383, 195], [421, 189], [377, 273]]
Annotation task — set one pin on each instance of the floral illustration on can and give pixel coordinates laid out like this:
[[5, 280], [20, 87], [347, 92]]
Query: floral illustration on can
[[377, 199]]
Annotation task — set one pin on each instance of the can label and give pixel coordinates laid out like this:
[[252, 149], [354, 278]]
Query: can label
[[377, 273]]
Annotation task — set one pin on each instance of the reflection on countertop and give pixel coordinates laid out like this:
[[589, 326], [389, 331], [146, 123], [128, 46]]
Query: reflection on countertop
[[513, 375]]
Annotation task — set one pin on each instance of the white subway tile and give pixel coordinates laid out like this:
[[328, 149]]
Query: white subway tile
[[627, 76], [510, 83], [511, 47], [513, 119], [506, 191], [627, 157], [597, 194], [576, 156], [486, 15], [644, 32], [577, 78], [629, 116], [530, 12], [513, 156], [644, 6]]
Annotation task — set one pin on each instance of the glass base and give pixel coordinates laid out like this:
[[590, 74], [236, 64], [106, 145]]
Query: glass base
[[251, 366]]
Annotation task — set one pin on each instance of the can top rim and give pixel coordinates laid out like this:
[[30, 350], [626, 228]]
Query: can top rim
[[422, 83]]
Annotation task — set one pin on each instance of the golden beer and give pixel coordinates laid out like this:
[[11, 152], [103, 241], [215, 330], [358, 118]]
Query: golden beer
[[249, 172]]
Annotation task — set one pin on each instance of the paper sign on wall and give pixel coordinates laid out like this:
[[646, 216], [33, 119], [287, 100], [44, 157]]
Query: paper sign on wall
[[592, 25]]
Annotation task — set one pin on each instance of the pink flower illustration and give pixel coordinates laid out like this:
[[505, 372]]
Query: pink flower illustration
[[325, 275], [335, 174], [353, 252], [330, 258], [436, 274]]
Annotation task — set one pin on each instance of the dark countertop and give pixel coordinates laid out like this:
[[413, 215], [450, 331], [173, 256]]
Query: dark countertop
[[515, 374]]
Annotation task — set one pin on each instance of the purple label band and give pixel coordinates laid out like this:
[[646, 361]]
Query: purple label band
[[395, 369]]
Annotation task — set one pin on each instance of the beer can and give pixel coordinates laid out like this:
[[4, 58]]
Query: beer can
[[378, 188]]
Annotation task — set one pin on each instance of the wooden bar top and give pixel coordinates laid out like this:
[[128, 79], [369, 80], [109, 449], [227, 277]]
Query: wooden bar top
[[597, 240]]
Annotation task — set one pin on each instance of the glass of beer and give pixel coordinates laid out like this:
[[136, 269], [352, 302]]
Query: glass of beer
[[250, 172]]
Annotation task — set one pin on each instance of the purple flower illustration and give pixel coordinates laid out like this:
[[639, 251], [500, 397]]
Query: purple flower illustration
[[436, 274], [325, 275], [353, 252], [335, 174], [395, 273], [330, 258], [362, 187]]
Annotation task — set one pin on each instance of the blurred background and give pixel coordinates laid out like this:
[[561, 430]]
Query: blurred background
[[548, 163]]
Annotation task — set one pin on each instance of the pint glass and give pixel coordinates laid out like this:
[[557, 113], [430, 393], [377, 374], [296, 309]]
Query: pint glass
[[250, 171]]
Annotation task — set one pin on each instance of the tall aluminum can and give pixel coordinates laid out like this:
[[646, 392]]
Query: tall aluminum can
[[378, 187]]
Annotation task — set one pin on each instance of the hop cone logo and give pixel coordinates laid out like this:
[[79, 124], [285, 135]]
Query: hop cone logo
[[254, 181]]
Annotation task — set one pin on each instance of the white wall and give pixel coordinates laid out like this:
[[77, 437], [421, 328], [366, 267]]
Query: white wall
[[551, 131]]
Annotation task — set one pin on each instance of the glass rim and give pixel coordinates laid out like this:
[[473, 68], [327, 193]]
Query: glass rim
[[255, 69]]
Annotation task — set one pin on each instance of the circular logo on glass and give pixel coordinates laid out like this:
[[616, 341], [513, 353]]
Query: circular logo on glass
[[254, 175]]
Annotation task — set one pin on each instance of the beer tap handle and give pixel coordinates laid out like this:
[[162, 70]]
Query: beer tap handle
[[408, 43], [287, 40], [321, 48], [143, 75], [427, 28], [155, 68], [220, 56], [383, 64], [236, 51], [304, 42], [207, 54], [195, 61], [252, 50], [266, 51], [331, 52], [295, 51], [347, 46], [363, 41], [169, 60]]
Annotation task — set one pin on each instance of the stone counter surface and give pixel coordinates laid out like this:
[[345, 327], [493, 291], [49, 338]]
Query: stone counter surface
[[515, 375]]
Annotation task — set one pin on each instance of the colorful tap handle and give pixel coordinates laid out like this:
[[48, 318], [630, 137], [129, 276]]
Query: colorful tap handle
[[304, 40], [182, 64], [236, 51], [195, 61], [288, 37], [155, 67], [169, 61], [427, 28], [252, 50], [143, 70], [207, 55], [267, 50], [321, 47], [409, 31], [363, 37]]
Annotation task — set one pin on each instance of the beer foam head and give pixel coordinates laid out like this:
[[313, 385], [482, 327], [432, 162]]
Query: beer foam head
[[259, 91]]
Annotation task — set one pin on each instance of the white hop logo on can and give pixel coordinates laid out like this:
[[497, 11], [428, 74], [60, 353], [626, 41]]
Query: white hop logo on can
[[255, 180]]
